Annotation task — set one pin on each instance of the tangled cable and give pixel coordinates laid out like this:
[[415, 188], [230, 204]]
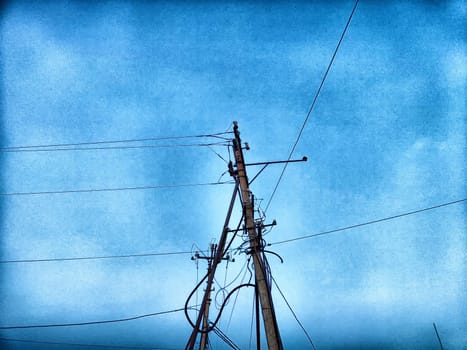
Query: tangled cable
[[213, 324]]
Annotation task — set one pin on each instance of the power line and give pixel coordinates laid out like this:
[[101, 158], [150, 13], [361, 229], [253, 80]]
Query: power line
[[30, 150], [123, 256], [437, 336], [116, 189], [81, 344], [313, 103], [294, 315], [370, 222], [93, 322], [225, 338], [93, 257], [215, 135]]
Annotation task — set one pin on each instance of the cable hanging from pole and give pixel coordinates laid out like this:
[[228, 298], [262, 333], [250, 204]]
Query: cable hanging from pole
[[214, 324], [217, 255], [90, 323]]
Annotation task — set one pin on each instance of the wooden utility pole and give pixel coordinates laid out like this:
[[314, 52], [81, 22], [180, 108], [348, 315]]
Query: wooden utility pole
[[256, 249], [218, 256], [204, 335], [263, 287]]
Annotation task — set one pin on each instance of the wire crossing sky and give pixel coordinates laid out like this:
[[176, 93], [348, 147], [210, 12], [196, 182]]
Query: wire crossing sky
[[75, 324], [318, 91], [214, 135], [30, 341], [139, 255], [114, 189], [115, 138]]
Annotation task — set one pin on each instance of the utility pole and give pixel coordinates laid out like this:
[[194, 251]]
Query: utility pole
[[264, 289], [204, 335], [210, 259], [254, 230], [218, 256]]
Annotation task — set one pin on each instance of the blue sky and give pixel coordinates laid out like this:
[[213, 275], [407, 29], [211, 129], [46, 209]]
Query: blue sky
[[387, 136]]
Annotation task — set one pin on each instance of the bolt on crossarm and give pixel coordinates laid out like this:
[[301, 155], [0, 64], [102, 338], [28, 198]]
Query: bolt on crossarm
[[267, 308]]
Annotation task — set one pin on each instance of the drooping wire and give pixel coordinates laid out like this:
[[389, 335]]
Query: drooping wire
[[223, 289], [115, 189], [236, 297], [195, 289], [214, 135], [235, 234], [369, 222], [30, 341], [73, 324], [242, 270], [294, 315], [210, 275], [214, 324], [313, 103]]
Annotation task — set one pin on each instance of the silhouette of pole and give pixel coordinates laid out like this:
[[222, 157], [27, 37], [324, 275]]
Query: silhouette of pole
[[217, 259], [264, 289]]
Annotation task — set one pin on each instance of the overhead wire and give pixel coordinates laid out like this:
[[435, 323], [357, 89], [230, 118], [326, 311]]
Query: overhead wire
[[12, 261], [123, 256], [369, 222], [236, 296], [224, 289], [217, 153], [294, 314], [225, 338], [226, 300], [313, 103], [159, 187], [30, 341], [30, 150], [89, 323], [214, 135]]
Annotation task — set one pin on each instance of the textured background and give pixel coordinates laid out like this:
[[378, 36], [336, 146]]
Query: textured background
[[387, 136]]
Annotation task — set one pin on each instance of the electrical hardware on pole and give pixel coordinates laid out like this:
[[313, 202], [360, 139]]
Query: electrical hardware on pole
[[264, 289], [253, 229]]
